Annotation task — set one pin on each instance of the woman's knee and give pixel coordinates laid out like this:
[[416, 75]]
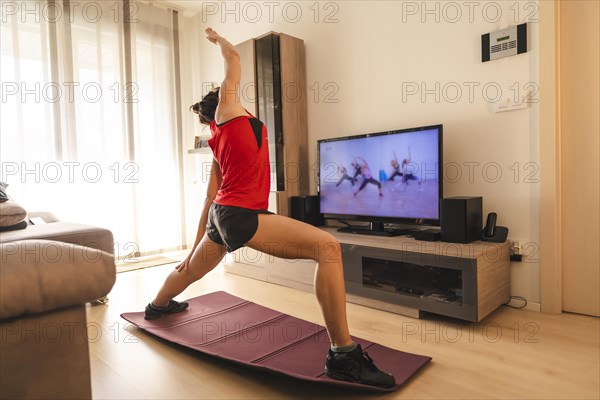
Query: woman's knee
[[329, 249], [206, 258]]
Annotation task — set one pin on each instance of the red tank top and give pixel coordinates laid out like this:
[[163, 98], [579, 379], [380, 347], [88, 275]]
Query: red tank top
[[241, 148]]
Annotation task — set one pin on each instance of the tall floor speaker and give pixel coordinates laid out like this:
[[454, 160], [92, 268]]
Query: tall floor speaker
[[461, 219], [307, 209]]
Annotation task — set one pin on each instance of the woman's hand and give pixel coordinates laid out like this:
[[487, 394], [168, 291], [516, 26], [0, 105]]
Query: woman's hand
[[211, 35], [185, 264]]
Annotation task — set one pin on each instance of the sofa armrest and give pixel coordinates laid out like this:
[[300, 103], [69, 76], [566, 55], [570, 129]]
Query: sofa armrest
[[48, 217], [43, 275]]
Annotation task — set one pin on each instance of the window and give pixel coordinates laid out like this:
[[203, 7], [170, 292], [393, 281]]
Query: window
[[89, 128]]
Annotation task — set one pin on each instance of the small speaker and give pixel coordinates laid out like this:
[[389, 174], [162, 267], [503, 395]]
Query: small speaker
[[461, 219], [307, 209]]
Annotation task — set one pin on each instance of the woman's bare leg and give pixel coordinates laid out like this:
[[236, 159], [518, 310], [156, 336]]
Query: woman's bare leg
[[207, 256], [288, 238]]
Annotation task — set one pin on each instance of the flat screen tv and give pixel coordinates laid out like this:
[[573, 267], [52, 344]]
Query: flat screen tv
[[392, 177]]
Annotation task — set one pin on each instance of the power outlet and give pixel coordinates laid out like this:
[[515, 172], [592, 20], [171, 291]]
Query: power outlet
[[516, 247], [509, 104], [516, 250]]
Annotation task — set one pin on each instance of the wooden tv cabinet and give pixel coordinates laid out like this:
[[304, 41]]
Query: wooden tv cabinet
[[400, 274]]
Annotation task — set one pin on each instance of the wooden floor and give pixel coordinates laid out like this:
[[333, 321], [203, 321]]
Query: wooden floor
[[512, 354]]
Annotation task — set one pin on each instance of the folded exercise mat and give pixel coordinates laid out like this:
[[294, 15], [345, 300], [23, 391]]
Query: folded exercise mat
[[235, 329]]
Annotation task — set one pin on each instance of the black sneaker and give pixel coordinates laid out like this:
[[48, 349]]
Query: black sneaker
[[173, 307], [356, 366]]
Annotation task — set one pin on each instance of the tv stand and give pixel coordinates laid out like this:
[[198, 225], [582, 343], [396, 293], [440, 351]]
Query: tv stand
[[464, 281], [375, 229]]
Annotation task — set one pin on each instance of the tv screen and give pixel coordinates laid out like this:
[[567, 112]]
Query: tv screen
[[390, 176]]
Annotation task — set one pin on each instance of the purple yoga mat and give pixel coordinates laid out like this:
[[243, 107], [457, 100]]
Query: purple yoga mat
[[235, 329]]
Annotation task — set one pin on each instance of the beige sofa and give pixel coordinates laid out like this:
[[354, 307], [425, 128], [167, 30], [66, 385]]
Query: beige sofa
[[48, 272]]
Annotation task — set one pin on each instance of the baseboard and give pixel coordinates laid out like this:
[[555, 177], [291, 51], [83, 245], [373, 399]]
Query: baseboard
[[533, 306]]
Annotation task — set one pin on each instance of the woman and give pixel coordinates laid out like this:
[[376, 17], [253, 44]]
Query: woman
[[406, 175], [234, 215], [344, 173], [367, 177], [396, 167]]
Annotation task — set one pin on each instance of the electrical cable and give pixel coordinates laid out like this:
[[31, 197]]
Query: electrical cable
[[519, 298]]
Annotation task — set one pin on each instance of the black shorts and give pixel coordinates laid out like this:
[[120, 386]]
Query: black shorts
[[232, 226]]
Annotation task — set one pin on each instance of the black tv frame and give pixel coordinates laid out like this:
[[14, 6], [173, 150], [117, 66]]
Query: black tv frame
[[377, 223]]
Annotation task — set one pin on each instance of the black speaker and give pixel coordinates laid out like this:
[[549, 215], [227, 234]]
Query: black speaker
[[461, 219], [307, 209]]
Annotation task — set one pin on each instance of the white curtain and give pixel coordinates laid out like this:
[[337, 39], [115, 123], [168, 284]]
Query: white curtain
[[26, 122], [91, 132], [156, 150]]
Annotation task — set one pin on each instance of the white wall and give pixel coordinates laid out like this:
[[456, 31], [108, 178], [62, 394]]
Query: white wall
[[368, 60]]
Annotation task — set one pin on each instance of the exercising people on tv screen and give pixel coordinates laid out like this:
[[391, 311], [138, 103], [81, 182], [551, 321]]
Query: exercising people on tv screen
[[402, 170], [396, 168], [344, 173], [367, 177], [357, 170], [406, 174]]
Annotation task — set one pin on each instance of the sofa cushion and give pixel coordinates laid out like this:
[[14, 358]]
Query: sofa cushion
[[11, 213], [84, 235], [43, 275]]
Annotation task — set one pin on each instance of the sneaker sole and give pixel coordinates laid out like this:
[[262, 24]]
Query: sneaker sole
[[342, 377], [339, 377]]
